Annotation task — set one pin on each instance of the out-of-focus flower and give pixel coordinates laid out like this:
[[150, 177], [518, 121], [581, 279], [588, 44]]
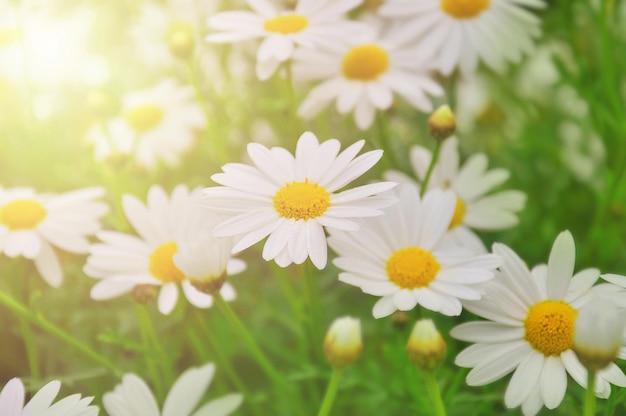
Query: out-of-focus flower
[[426, 347], [158, 124], [167, 227], [531, 330], [361, 76], [133, 397], [343, 344], [310, 24], [598, 334], [407, 258], [31, 224], [12, 401], [460, 33], [293, 199], [472, 183], [442, 123]]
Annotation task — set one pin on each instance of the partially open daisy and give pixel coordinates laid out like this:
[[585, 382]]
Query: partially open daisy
[[158, 124], [407, 258], [459, 33], [362, 76], [476, 207], [293, 199], [531, 329], [166, 226], [133, 397], [310, 23], [12, 401], [32, 223]]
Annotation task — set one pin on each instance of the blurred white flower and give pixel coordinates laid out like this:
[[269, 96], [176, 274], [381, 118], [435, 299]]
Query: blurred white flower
[[343, 342], [133, 397]]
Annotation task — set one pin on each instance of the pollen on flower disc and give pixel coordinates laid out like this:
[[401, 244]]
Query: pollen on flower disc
[[22, 214], [301, 200], [464, 9], [144, 117], [412, 267], [549, 326], [162, 263], [365, 62], [286, 24]]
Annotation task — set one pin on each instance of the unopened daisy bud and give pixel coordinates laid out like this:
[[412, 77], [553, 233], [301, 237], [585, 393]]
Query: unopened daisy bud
[[598, 334], [426, 347], [441, 123], [343, 344], [181, 41], [400, 319], [144, 293]]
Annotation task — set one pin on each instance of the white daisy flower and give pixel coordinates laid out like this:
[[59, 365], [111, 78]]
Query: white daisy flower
[[31, 224], [458, 33], [531, 330], [133, 397], [165, 226], [476, 207], [362, 76], [158, 124], [12, 401], [407, 258], [311, 23], [293, 199]]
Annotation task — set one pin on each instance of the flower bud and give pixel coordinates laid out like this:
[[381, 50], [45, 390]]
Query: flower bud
[[441, 123], [181, 40], [598, 333], [426, 347], [342, 344]]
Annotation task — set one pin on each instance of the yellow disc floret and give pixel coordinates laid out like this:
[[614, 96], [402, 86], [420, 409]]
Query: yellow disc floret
[[459, 214], [286, 24], [22, 214], [144, 117], [365, 62], [412, 267], [550, 326], [464, 9], [301, 200], [162, 263]]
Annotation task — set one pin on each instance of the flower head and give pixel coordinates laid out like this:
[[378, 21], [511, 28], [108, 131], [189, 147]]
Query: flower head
[[343, 344], [472, 183], [158, 124], [133, 397], [293, 199], [32, 223], [362, 76], [531, 329], [310, 23], [407, 257], [12, 401], [460, 33], [173, 232]]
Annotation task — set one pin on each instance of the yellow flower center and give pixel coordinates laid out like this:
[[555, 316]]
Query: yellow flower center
[[365, 62], [464, 9], [550, 326], [22, 214], [301, 200], [459, 214], [8, 36], [412, 267], [286, 24], [162, 263], [144, 117]]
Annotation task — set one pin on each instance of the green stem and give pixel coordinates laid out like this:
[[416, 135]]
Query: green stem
[[434, 393], [256, 351], [331, 392], [590, 396], [31, 349], [383, 134], [311, 286], [38, 320], [149, 356], [155, 346], [431, 167]]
